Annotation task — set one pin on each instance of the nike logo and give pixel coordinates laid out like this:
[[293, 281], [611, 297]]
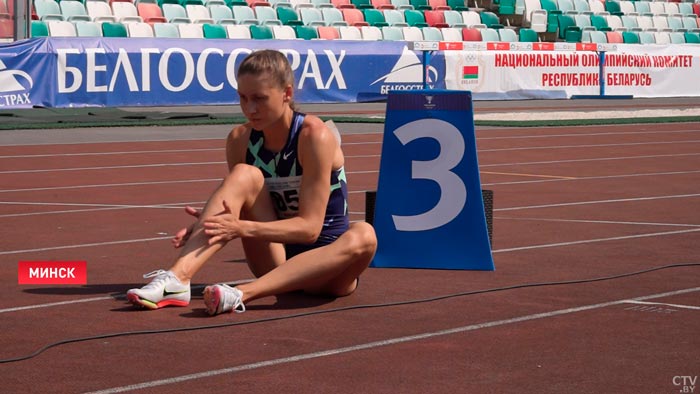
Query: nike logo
[[286, 155], [169, 293]]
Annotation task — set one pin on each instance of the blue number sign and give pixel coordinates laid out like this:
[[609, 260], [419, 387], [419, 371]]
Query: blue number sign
[[429, 210]]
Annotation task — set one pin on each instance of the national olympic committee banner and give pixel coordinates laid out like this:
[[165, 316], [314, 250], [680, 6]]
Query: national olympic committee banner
[[110, 72], [638, 70]]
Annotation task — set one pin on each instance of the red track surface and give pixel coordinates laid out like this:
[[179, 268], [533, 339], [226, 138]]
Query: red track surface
[[570, 204]]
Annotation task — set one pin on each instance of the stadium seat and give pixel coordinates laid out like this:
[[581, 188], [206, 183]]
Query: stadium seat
[[584, 7], [568, 30], [675, 23], [283, 32], [647, 37], [244, 15], [190, 30], [140, 29], [645, 22], [435, 18], [165, 30], [362, 4], [267, 15], [386, 5], [241, 32], [685, 8], [370, 33], [690, 23], [221, 14], [100, 11], [472, 19], [662, 37], [198, 13], [420, 5], [211, 30], [354, 17], [415, 18], [471, 34], [451, 34], [627, 8], [614, 37], [350, 33], [280, 4], [114, 29], [333, 17], [48, 10], [402, 4], [677, 37], [322, 3], [342, 4], [600, 22], [328, 33], [594, 36], [395, 18], [506, 7], [151, 13], [453, 18], [301, 4], [692, 38], [61, 29], [374, 17], [73, 10], [412, 33], [175, 13], [566, 7], [306, 32], [527, 35], [440, 5], [311, 16], [39, 29], [289, 16], [553, 13], [615, 22], [458, 5], [261, 32], [507, 35], [489, 35], [432, 34], [597, 7], [392, 33], [88, 29], [630, 37]]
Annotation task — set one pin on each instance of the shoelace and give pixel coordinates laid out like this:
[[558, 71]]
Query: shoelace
[[230, 298], [159, 275]]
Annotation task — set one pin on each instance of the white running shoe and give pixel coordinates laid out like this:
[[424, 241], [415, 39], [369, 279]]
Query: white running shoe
[[165, 289], [222, 298]]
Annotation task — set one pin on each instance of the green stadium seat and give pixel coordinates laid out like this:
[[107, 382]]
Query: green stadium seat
[[114, 29], [261, 32], [306, 32], [39, 29], [214, 31], [527, 35]]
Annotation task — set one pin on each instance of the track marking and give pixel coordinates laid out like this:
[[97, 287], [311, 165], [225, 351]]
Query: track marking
[[588, 146], [567, 204], [585, 178], [527, 163], [615, 222], [382, 343], [588, 241], [126, 241], [532, 136], [695, 308], [527, 175], [157, 165]]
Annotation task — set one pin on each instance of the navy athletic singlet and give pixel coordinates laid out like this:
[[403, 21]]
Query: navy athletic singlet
[[283, 171]]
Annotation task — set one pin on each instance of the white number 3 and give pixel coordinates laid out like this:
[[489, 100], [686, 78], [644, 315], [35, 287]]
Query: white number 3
[[453, 192]]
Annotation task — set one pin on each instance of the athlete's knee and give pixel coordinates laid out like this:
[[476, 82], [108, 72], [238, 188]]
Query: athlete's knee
[[245, 176], [362, 241]]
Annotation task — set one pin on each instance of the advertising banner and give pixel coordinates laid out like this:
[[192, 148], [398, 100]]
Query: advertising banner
[[110, 72]]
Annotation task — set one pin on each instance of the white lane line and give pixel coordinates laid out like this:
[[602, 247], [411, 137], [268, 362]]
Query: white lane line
[[34, 189], [615, 222], [634, 133], [568, 204], [695, 308], [528, 163], [125, 241], [588, 178], [135, 152], [588, 241], [157, 165], [382, 343], [588, 146]]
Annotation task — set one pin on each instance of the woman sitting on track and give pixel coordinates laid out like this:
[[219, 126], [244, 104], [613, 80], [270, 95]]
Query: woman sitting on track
[[285, 197]]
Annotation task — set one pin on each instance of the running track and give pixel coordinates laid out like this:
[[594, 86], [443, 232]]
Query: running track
[[570, 204]]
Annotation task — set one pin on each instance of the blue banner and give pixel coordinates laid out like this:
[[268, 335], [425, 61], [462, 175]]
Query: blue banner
[[112, 72], [429, 211]]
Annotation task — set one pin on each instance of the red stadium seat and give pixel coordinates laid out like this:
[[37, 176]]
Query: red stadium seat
[[435, 18], [354, 17], [614, 37], [328, 33], [471, 34]]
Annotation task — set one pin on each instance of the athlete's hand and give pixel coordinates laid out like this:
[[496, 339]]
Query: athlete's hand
[[222, 227], [183, 235]]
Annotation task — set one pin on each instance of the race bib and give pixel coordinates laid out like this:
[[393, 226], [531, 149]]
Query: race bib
[[285, 195]]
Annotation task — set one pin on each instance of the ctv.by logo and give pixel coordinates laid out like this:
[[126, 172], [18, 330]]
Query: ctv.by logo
[[686, 383], [14, 81]]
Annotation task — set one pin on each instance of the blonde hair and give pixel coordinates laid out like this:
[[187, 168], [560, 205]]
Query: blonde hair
[[274, 64]]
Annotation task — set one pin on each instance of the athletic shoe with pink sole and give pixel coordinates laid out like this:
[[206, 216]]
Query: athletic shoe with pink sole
[[222, 298], [165, 289]]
